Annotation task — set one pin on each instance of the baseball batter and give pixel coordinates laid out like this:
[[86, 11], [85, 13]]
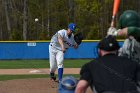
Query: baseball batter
[[129, 24], [60, 42]]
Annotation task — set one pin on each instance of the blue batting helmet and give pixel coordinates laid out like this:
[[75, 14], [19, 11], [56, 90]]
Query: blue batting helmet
[[72, 27], [68, 84]]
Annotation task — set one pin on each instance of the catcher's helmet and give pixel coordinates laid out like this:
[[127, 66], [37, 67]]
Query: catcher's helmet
[[72, 27], [69, 83], [129, 18]]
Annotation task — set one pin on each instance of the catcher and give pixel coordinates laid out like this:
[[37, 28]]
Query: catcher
[[60, 42], [67, 85], [129, 26]]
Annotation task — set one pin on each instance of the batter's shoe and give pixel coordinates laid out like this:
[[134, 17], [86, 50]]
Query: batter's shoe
[[52, 76]]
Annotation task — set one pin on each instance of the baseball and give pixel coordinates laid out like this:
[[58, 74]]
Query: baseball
[[36, 19]]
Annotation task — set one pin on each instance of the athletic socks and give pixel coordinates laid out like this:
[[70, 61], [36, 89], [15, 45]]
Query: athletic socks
[[52, 76], [60, 74]]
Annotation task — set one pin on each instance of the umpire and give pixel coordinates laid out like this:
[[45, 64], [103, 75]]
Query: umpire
[[109, 73]]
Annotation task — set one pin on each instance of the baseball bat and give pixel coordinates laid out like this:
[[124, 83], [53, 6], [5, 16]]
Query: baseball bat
[[115, 10]]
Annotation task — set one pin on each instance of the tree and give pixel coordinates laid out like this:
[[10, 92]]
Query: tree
[[7, 11], [92, 17], [25, 20]]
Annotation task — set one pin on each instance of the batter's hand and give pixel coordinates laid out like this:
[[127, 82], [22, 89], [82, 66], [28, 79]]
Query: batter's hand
[[112, 31]]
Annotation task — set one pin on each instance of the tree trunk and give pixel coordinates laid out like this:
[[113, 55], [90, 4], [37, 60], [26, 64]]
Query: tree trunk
[[1, 28], [48, 23], [71, 10], [25, 20], [7, 18]]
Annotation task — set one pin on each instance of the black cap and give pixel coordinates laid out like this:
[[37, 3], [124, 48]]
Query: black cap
[[108, 43]]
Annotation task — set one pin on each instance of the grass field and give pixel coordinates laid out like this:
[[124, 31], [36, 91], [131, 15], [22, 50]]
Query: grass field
[[11, 77], [20, 64]]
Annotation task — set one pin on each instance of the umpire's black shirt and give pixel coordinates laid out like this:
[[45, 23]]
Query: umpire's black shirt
[[111, 73]]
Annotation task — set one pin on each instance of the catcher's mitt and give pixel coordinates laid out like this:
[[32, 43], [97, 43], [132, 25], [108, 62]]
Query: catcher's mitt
[[78, 38]]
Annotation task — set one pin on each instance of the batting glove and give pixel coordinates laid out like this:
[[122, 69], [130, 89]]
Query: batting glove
[[112, 31]]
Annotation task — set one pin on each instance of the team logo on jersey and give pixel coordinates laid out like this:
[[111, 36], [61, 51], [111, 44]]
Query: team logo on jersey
[[73, 27], [68, 43]]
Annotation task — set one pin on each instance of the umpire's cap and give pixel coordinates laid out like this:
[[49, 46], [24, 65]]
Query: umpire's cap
[[68, 84], [108, 43], [72, 27]]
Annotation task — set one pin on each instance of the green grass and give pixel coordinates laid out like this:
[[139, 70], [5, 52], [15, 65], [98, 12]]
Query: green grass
[[19, 64], [12, 77]]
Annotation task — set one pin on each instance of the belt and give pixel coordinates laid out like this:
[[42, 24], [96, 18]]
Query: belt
[[52, 46]]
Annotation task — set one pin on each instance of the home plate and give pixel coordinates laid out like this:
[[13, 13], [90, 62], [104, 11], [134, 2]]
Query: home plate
[[35, 71]]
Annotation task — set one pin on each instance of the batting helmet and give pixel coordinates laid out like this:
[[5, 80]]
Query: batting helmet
[[129, 18]]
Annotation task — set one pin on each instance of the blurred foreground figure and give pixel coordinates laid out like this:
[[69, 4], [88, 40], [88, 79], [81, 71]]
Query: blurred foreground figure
[[67, 85], [129, 26]]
